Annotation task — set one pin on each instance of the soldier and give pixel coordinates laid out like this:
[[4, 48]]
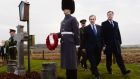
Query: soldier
[[82, 57], [4, 51], [12, 45], [69, 34]]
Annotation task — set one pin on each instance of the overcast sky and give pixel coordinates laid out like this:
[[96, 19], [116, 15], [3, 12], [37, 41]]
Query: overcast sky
[[46, 15]]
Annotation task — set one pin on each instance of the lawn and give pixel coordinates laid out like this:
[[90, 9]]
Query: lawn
[[36, 65]]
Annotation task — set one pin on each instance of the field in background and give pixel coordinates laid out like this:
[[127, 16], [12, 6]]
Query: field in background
[[130, 55]]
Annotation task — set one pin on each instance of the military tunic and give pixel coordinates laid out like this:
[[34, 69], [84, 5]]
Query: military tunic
[[69, 42], [12, 48]]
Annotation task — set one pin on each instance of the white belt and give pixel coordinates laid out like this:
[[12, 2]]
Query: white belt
[[67, 33], [12, 46]]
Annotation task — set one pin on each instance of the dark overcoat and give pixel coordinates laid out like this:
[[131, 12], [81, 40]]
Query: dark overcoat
[[111, 34], [82, 37], [112, 40]]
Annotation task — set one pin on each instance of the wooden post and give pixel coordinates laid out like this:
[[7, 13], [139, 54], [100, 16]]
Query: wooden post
[[43, 55], [24, 16]]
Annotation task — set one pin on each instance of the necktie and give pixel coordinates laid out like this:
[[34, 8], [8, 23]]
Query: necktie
[[94, 30], [112, 23]]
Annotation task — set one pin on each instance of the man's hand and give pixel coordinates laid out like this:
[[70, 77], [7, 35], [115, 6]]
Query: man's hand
[[77, 46], [104, 49], [84, 50]]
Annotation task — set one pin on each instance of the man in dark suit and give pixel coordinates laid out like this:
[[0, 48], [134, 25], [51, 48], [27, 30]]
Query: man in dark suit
[[112, 41], [93, 44]]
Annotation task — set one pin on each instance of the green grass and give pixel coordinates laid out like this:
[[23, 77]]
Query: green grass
[[36, 65]]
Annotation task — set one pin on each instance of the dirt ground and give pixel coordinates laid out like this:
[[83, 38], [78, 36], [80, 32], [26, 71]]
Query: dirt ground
[[130, 55], [131, 58]]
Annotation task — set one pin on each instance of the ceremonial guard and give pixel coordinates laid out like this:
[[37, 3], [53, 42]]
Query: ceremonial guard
[[70, 37]]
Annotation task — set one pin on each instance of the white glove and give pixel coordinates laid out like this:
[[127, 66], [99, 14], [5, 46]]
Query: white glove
[[77, 46]]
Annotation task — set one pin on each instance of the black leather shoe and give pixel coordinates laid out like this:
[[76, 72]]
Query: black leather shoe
[[98, 77], [110, 73], [60, 78], [126, 72]]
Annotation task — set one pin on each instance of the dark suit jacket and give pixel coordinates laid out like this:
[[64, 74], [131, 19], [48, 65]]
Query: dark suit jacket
[[111, 35], [91, 40]]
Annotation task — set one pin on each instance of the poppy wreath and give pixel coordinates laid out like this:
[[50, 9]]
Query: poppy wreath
[[49, 45]]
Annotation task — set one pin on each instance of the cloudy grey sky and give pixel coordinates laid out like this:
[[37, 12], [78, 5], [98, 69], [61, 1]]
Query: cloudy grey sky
[[46, 15]]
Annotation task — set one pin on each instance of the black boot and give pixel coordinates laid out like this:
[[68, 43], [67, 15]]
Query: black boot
[[74, 74], [71, 74], [98, 77]]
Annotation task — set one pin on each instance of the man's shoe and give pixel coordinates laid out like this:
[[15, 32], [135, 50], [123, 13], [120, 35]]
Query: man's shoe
[[98, 77], [126, 72], [110, 73], [60, 78]]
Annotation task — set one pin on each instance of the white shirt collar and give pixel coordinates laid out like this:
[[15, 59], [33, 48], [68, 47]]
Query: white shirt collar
[[110, 21], [94, 26]]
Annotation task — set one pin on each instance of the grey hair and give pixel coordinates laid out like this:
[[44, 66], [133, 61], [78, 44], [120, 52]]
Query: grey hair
[[92, 16]]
